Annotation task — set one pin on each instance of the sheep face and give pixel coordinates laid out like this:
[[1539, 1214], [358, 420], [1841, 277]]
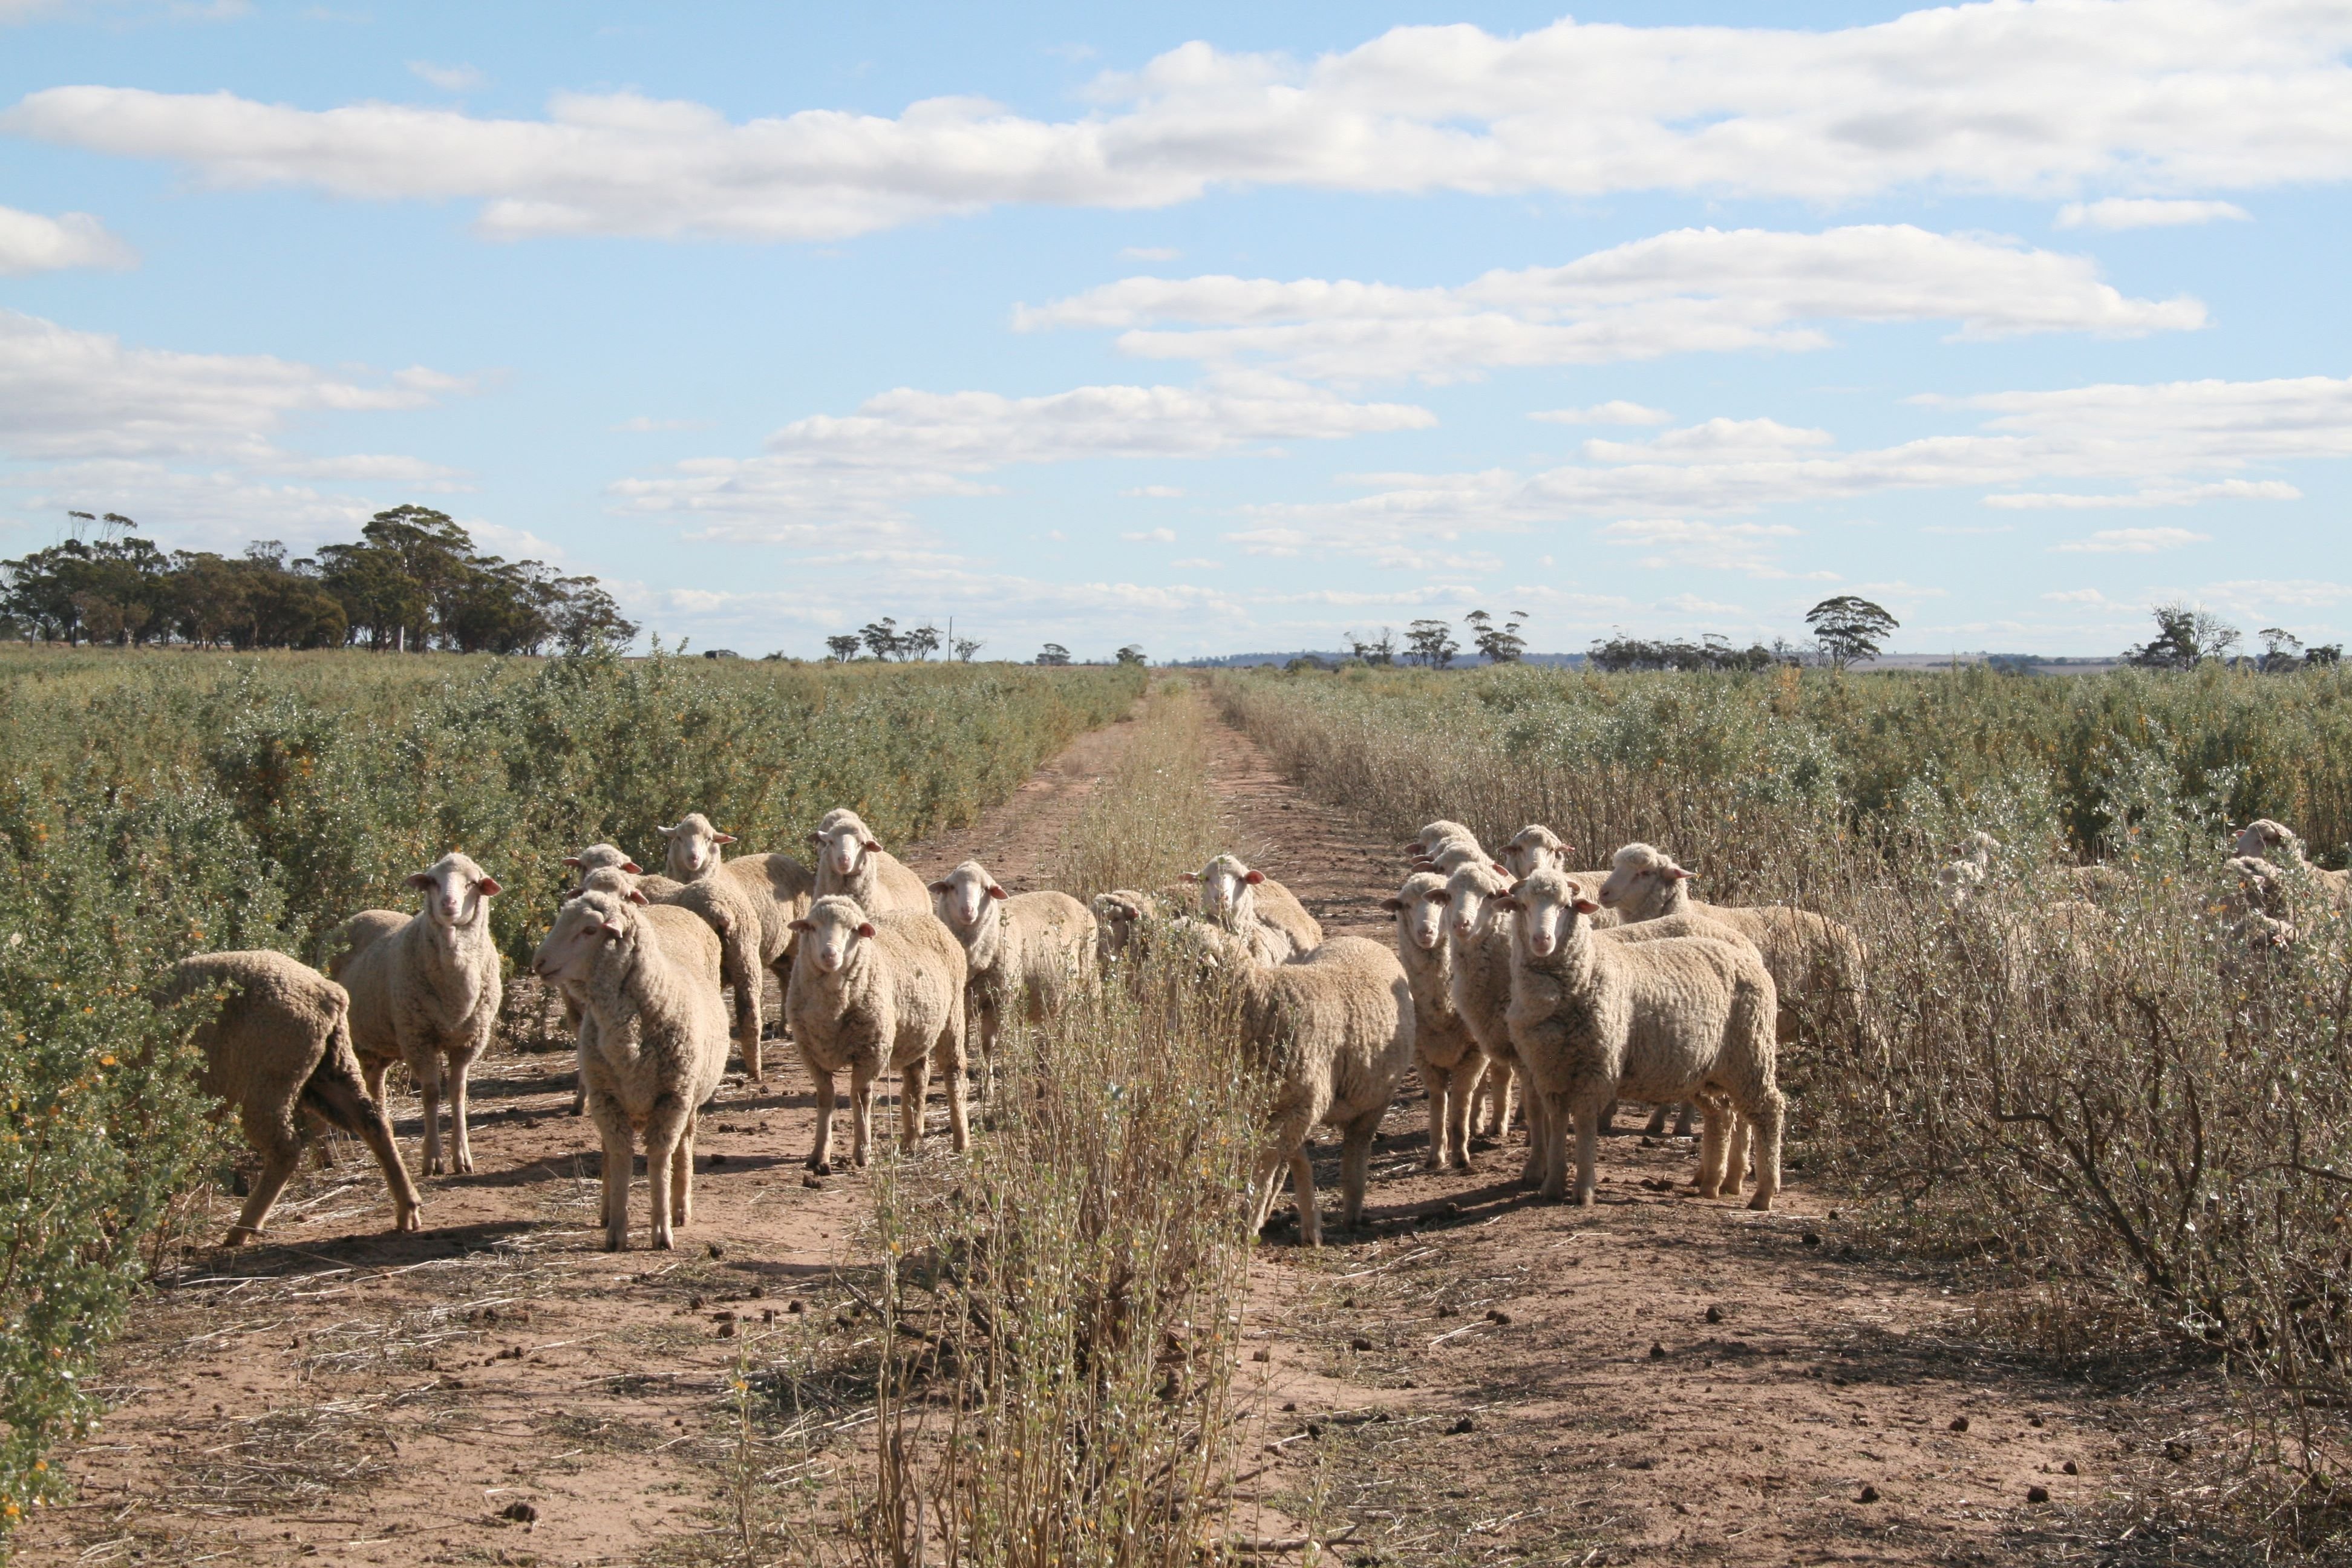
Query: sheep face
[[456, 890], [1420, 907], [844, 844], [1533, 848], [962, 897], [831, 933], [2261, 889], [1643, 881], [694, 846], [1548, 906], [1222, 881], [609, 879], [584, 929], [2263, 837], [598, 856], [1469, 892], [1436, 833]]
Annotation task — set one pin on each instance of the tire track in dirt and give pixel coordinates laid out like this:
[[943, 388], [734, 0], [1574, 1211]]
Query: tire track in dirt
[[1475, 1376]]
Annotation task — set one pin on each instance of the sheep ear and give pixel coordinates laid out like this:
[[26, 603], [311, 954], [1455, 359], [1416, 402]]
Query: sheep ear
[[817, 839], [1254, 877], [632, 868], [1506, 901], [572, 861], [995, 891], [489, 886], [723, 838], [1441, 896], [1586, 907], [865, 928], [1192, 875], [1498, 866], [636, 897], [803, 925], [614, 931], [942, 887], [1392, 905], [665, 832], [1679, 875], [877, 849], [419, 880]]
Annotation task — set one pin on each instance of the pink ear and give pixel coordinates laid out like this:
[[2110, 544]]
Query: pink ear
[[572, 861], [612, 930], [1254, 877], [489, 886], [817, 839], [803, 925], [724, 838], [419, 880], [1498, 866], [632, 868], [865, 928], [995, 891], [942, 887], [1192, 875], [637, 898], [1505, 902], [1392, 905], [1586, 907], [1679, 875], [877, 849]]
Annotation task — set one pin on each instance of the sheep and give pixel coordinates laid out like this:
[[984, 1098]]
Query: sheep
[[598, 856], [1813, 958], [851, 864], [1658, 931], [876, 994], [281, 1042], [1435, 835], [1029, 951], [1452, 855], [1121, 917], [1255, 908], [1336, 1029], [1480, 960], [1451, 1062], [653, 1044], [2264, 839], [426, 990], [761, 895], [2098, 884], [1681, 1018]]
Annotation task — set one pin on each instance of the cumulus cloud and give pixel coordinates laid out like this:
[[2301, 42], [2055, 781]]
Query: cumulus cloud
[[32, 243], [2132, 541], [1615, 411], [1154, 492], [644, 425], [1691, 290], [2076, 597], [2153, 495], [2126, 212], [907, 446], [2156, 98], [1152, 536], [1752, 547]]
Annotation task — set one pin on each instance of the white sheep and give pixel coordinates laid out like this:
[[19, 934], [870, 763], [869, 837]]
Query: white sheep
[[2099, 884], [876, 993], [281, 1043], [1683, 1018], [1429, 838], [2280, 845], [1255, 908], [851, 864], [760, 895], [1451, 1062], [1536, 848], [425, 991], [653, 1045], [1334, 1029], [1479, 935], [1121, 918], [1027, 952]]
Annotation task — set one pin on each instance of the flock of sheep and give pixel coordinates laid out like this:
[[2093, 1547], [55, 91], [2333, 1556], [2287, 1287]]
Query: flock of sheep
[[1513, 978]]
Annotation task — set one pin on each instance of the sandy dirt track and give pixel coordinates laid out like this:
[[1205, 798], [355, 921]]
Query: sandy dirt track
[[1471, 1377]]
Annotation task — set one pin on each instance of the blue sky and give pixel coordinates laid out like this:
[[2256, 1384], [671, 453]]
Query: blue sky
[[1211, 327]]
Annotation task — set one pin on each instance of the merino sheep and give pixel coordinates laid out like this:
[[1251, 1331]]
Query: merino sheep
[[1536, 848], [2106, 886], [426, 990], [1683, 1018], [1451, 1062], [1121, 919], [1658, 931], [1480, 938], [1335, 1029], [1814, 960], [653, 1044], [2280, 845], [876, 994], [1255, 908], [851, 864], [1024, 953], [1427, 841], [759, 895], [281, 1043]]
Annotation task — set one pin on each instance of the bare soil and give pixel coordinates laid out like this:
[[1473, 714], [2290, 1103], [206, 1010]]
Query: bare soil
[[1470, 1377]]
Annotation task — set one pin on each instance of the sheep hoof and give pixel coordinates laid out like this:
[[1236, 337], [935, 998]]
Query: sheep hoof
[[1760, 1202], [463, 1164], [820, 1167]]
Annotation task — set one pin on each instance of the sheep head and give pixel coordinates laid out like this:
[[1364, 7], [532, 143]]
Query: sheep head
[[455, 889]]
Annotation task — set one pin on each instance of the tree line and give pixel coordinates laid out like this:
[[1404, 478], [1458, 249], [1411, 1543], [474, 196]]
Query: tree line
[[413, 580]]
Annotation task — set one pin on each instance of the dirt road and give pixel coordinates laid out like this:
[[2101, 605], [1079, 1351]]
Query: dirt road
[[1472, 1377]]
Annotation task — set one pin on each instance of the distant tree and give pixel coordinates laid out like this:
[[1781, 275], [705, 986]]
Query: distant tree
[[1848, 628], [920, 643], [844, 647], [2282, 651], [964, 647], [1054, 653], [2184, 638], [1432, 643], [881, 637], [1380, 651], [1132, 654], [1501, 645], [2328, 655]]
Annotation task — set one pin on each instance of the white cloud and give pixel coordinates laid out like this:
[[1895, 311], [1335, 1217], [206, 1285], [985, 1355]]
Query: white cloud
[[644, 425], [32, 243], [2258, 596], [1687, 291], [1616, 412], [2132, 541], [1198, 562], [1692, 604], [2159, 98], [2155, 495], [448, 78], [907, 446], [2124, 212], [1152, 536], [1153, 492], [2076, 597], [1148, 253], [1752, 547]]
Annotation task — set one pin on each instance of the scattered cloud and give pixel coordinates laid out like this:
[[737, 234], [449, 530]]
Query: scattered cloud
[[1148, 253], [2076, 597], [2124, 212], [448, 78], [1752, 547], [1152, 536], [2166, 100], [2132, 541], [32, 243], [1692, 604], [2153, 495], [1691, 290], [1153, 492], [1199, 563], [1612, 413], [642, 425]]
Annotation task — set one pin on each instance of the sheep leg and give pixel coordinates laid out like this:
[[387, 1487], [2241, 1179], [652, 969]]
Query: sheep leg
[[1439, 1081], [461, 1158], [747, 1023], [951, 1078], [1457, 1109], [341, 1101], [861, 1114], [914, 1094], [681, 1176], [1656, 1125], [1765, 1118], [427, 1073], [820, 1158], [1302, 1183], [665, 1128], [1682, 1119], [1535, 1173], [1710, 1151], [1356, 1167], [281, 1148], [620, 1166]]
